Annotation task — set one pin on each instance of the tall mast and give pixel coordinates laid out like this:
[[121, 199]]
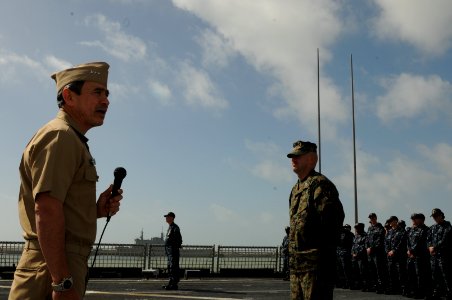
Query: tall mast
[[354, 144], [318, 111]]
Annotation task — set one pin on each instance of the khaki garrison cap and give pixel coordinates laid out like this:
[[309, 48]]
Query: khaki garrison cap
[[94, 71]]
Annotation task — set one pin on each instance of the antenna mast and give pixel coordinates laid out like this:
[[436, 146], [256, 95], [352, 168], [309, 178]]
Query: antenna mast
[[318, 111], [354, 144]]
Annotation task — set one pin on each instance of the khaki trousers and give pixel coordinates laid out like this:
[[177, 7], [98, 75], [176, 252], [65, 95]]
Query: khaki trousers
[[32, 280]]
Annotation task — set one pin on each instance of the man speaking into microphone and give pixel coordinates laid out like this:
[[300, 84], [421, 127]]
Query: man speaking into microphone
[[58, 209]]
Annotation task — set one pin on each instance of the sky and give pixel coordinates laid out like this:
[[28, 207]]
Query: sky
[[207, 97]]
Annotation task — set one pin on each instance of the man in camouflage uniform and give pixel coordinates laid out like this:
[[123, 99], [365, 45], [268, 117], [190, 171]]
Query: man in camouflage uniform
[[316, 216], [359, 259], [376, 255], [439, 242], [395, 245], [418, 268]]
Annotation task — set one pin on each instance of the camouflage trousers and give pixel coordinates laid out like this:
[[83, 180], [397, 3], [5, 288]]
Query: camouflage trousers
[[310, 286]]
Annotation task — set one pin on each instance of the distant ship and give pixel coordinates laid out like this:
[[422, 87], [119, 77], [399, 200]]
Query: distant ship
[[153, 241]]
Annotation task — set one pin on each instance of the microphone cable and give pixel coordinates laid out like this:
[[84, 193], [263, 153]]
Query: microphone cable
[[95, 255]]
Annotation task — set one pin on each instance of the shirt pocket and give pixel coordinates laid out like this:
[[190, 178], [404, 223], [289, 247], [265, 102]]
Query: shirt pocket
[[91, 174]]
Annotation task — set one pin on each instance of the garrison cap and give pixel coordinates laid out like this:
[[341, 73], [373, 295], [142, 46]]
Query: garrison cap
[[372, 215], [94, 71], [300, 147], [437, 212], [170, 214]]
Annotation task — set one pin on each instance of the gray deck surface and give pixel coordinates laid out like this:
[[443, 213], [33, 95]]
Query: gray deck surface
[[198, 288]]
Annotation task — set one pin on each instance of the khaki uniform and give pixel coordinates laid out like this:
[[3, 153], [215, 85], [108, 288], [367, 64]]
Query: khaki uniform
[[56, 160], [316, 216]]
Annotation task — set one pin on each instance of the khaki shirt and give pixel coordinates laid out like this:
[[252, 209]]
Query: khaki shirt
[[57, 160]]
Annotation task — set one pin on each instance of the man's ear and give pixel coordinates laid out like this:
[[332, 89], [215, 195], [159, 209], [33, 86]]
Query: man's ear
[[67, 95]]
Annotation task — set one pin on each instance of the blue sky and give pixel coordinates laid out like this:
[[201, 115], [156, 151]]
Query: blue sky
[[208, 96]]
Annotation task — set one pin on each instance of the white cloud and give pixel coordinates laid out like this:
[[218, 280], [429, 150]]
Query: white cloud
[[116, 42], [423, 24], [266, 218], [269, 167], [199, 90], [266, 149], [441, 157], [217, 51], [121, 92], [56, 64], [161, 91], [272, 171], [409, 96], [280, 39], [223, 214], [13, 65]]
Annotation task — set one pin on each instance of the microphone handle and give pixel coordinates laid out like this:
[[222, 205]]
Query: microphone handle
[[114, 192]]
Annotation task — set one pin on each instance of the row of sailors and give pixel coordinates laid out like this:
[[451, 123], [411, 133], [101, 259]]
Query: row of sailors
[[415, 262]]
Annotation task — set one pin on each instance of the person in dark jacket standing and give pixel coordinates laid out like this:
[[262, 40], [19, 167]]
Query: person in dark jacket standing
[[344, 257], [376, 255], [359, 259], [439, 242], [418, 267], [285, 254], [395, 245], [173, 243]]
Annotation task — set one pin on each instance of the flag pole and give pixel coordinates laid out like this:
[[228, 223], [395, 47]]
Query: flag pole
[[354, 139], [318, 111]]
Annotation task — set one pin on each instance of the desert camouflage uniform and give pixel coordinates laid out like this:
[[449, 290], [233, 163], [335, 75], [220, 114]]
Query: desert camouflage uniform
[[316, 216]]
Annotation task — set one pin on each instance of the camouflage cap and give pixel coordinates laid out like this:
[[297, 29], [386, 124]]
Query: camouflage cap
[[437, 212], [300, 147], [94, 71]]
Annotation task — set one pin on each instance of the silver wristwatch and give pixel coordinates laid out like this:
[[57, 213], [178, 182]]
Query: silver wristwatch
[[64, 285]]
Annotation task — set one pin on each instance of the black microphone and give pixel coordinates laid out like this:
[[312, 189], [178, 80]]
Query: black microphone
[[119, 173]]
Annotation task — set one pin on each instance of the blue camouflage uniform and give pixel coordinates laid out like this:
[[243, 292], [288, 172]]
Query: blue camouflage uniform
[[359, 261], [377, 258], [439, 237], [344, 258], [395, 241], [418, 262]]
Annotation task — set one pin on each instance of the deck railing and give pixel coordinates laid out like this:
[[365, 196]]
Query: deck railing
[[210, 259]]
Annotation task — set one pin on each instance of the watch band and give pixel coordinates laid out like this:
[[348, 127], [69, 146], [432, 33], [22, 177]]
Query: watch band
[[64, 285]]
